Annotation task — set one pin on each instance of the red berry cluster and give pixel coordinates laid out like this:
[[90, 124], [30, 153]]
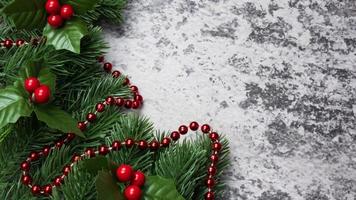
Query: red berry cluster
[[125, 173], [39, 93], [58, 13]]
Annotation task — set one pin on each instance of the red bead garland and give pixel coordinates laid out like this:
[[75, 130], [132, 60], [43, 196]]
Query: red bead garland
[[137, 178]]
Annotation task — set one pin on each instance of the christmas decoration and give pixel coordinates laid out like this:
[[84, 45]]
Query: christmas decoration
[[50, 78]]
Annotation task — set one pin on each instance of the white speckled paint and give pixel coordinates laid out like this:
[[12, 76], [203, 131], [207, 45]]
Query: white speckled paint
[[277, 77]]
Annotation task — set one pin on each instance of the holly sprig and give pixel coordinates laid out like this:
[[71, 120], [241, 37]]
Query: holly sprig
[[109, 188], [29, 15], [16, 102]]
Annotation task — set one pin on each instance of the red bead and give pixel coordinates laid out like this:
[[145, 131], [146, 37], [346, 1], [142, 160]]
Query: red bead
[[124, 173], [210, 182], [116, 145], [90, 152], [53, 7], [47, 189], [138, 179], [120, 101], [76, 158], [136, 104], [138, 98], [175, 135], [142, 145], [20, 42], [58, 181], [209, 196], [214, 158], [100, 107], [128, 104], [66, 170], [59, 144], [42, 94], [110, 100], [205, 128], [46, 150], [107, 67], [183, 129], [26, 179], [212, 170], [25, 166], [216, 146], [70, 136], [67, 11], [35, 189], [33, 156], [132, 192], [116, 74], [8, 43], [154, 145], [82, 126], [55, 21], [194, 126], [214, 136], [100, 58], [129, 142], [91, 117], [103, 150], [133, 88], [31, 84], [165, 142], [127, 81]]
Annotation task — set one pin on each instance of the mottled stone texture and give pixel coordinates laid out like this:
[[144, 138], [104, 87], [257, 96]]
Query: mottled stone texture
[[278, 77]]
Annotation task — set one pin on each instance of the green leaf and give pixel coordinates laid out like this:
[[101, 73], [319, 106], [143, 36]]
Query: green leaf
[[13, 106], [67, 37], [56, 118], [38, 69], [106, 187], [26, 14], [93, 165], [81, 6], [159, 188]]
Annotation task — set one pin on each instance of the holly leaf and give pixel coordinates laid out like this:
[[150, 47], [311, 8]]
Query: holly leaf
[[58, 119], [38, 69], [13, 106], [67, 37], [106, 187], [159, 188], [26, 14], [81, 6], [93, 165]]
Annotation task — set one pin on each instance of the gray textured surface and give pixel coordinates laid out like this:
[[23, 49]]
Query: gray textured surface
[[277, 77]]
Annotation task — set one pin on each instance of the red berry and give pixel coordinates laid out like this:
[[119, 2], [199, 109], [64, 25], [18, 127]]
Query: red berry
[[136, 104], [115, 145], [216, 146], [165, 142], [124, 173], [138, 179], [46, 150], [205, 128], [90, 152], [42, 94], [183, 129], [175, 135], [8, 43], [132, 192], [58, 181], [129, 143], [20, 42], [103, 150], [67, 11], [26, 179], [107, 67], [154, 145], [35, 189], [214, 136], [55, 21], [100, 107], [53, 7], [31, 84], [194, 126], [209, 196], [47, 189], [138, 98], [120, 101], [116, 74], [142, 145], [133, 88], [82, 126], [91, 117], [66, 170], [25, 166], [128, 104], [110, 100]]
